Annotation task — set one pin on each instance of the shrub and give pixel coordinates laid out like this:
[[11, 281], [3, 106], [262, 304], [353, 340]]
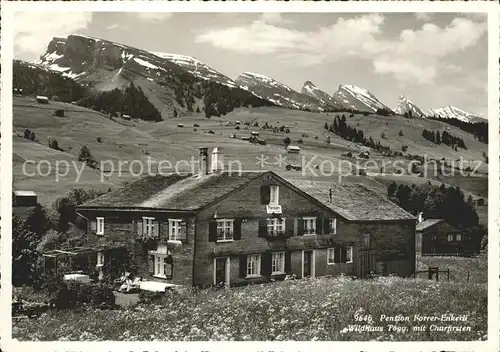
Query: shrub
[[99, 139], [27, 133], [146, 297], [32, 136], [300, 141], [72, 294]]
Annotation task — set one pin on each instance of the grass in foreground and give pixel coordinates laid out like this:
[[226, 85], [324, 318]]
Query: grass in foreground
[[316, 309]]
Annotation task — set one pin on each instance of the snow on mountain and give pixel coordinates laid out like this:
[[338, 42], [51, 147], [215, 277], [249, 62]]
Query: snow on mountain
[[357, 98], [311, 90], [452, 112], [406, 105], [197, 68], [277, 92]]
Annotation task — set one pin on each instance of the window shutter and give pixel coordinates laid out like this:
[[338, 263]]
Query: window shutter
[[212, 231], [337, 254], [183, 232], [266, 264], [289, 226], [300, 227], [262, 227], [151, 266], [265, 195], [237, 229], [326, 226], [243, 266], [156, 228], [140, 227], [93, 225], [319, 226], [288, 262], [343, 250]]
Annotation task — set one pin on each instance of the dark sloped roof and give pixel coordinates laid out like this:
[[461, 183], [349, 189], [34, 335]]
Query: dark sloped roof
[[354, 202], [424, 225], [190, 193], [173, 192]]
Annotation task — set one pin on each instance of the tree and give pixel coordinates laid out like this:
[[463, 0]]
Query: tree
[[326, 126], [85, 156], [400, 133], [438, 137], [32, 136], [27, 133], [287, 141], [391, 190], [198, 109]]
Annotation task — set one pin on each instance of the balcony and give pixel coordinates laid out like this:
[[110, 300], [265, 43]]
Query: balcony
[[277, 235]]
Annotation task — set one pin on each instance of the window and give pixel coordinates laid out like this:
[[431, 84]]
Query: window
[[331, 256], [253, 265], [100, 226], [450, 238], [162, 268], [349, 255], [274, 195], [275, 226], [148, 226], [366, 240], [225, 230], [309, 226], [174, 229], [100, 258], [339, 255], [459, 237], [333, 226], [278, 263]]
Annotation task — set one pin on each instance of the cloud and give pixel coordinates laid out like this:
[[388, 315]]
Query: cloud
[[272, 18], [417, 55], [33, 30], [423, 16], [154, 16]]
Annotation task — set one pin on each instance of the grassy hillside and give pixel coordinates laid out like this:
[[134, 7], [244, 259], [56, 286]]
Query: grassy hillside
[[303, 310], [116, 140]]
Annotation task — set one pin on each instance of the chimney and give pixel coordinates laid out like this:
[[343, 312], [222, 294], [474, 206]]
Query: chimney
[[203, 161], [420, 217], [217, 160]]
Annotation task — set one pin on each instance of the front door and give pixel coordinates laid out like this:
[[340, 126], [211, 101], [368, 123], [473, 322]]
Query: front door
[[307, 263], [221, 272]]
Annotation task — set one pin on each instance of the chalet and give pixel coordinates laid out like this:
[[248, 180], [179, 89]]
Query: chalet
[[24, 199], [217, 227], [293, 149], [437, 237], [42, 100]]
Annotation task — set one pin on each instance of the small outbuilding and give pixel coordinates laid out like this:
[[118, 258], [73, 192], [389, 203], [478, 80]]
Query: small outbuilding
[[42, 100], [24, 199], [293, 149]]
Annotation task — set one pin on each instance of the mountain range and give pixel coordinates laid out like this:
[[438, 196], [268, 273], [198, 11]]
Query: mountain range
[[183, 83]]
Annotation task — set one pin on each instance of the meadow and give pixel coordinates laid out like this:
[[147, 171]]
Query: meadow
[[299, 310]]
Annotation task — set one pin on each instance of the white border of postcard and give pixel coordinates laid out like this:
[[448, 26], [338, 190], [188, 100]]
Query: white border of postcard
[[8, 8]]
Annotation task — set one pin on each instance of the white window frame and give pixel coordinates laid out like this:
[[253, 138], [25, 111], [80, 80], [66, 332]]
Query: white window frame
[[159, 263], [332, 250], [311, 220], [253, 265], [99, 225], [278, 262], [174, 229], [458, 237], [148, 226], [274, 225], [450, 238], [349, 254], [100, 259], [274, 195], [313, 262], [227, 230], [333, 226], [228, 270]]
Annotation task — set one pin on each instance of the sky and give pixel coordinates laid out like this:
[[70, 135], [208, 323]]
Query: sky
[[434, 59]]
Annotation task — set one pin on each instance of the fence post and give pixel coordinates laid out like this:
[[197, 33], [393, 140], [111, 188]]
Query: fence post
[[468, 274], [448, 274]]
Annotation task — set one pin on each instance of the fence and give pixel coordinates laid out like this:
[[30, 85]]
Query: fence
[[433, 273]]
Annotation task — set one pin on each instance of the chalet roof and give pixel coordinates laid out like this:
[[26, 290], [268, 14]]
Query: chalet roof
[[24, 193], [191, 193], [354, 202], [174, 192], [424, 225]]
